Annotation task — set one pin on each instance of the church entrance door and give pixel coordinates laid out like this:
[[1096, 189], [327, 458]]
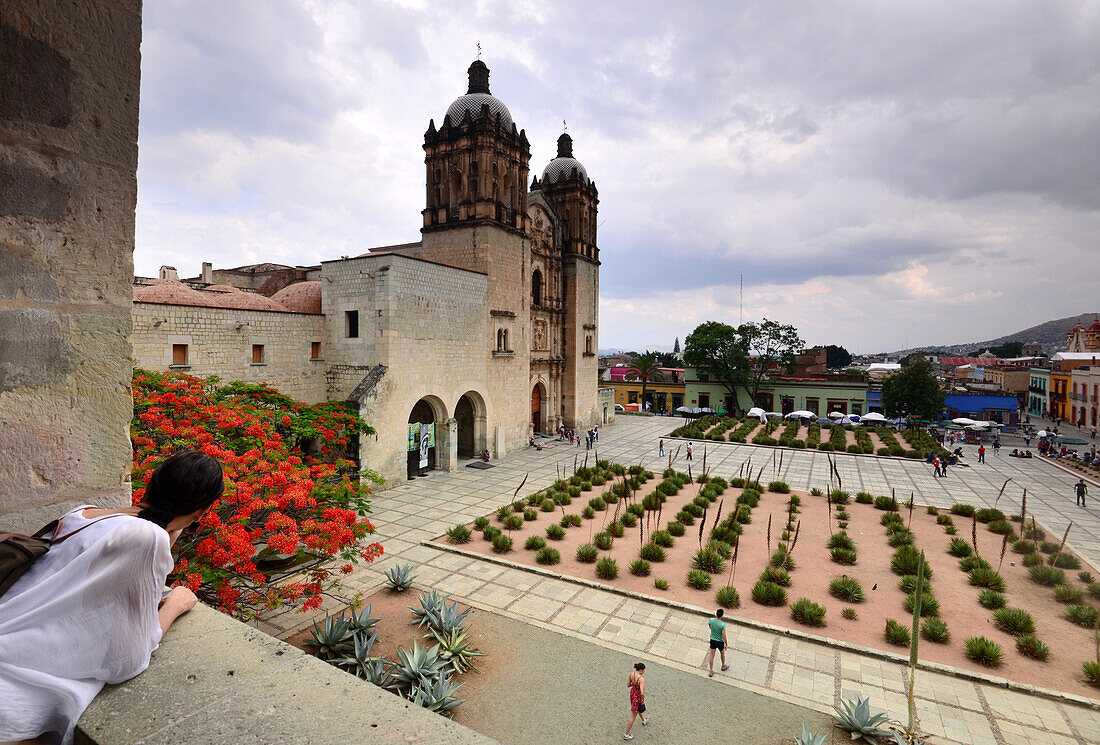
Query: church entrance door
[[464, 418], [536, 406], [424, 412]]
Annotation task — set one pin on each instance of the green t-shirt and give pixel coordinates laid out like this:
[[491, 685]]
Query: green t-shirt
[[717, 626]]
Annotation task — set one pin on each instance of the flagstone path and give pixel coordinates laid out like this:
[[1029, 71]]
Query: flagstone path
[[797, 671]]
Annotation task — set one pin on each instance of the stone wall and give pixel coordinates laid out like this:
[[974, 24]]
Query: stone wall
[[220, 340], [69, 83], [605, 404]]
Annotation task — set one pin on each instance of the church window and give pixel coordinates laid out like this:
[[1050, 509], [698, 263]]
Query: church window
[[315, 350], [505, 348], [588, 344], [536, 288], [179, 355], [351, 324], [473, 180], [258, 354]]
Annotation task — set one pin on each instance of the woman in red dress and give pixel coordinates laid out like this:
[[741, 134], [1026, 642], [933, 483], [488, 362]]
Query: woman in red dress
[[636, 684]]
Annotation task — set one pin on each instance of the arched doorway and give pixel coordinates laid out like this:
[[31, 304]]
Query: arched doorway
[[428, 410], [605, 414], [538, 393], [470, 424]]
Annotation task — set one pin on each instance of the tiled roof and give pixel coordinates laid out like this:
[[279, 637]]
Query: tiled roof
[[301, 297], [172, 292]]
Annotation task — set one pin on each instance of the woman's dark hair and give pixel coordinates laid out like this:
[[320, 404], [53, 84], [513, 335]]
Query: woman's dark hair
[[184, 483], [639, 666]]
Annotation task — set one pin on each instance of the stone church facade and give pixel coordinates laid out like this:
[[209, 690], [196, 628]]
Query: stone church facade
[[486, 329]]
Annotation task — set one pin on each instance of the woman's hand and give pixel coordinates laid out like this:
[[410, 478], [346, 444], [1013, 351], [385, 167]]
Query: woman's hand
[[177, 602]]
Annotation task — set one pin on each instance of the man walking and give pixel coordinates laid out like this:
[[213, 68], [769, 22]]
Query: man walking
[[717, 640], [981, 453], [935, 466], [661, 448], [1081, 490]]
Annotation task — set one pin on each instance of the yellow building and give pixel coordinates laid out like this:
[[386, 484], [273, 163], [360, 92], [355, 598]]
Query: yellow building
[[662, 396]]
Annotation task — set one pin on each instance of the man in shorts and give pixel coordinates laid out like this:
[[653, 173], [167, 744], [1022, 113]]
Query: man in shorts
[[717, 640]]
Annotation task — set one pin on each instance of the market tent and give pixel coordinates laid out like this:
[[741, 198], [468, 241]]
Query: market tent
[[964, 421], [774, 413], [874, 416], [836, 415], [802, 415]]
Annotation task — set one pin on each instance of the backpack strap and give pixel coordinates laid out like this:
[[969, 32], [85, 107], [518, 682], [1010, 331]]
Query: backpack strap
[[56, 524]]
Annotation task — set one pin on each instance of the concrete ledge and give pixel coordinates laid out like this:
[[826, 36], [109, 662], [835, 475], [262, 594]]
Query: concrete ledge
[[976, 677], [216, 680]]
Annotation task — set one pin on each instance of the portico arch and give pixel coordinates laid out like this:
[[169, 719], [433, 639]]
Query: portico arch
[[539, 402], [428, 410], [470, 419]]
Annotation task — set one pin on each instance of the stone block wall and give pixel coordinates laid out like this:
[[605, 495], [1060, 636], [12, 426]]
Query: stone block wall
[[219, 342], [581, 318], [69, 84]]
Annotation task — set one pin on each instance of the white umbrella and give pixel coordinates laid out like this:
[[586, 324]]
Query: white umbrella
[[836, 415], [976, 427], [874, 416], [802, 415], [755, 411], [964, 421], [774, 413], [844, 421], [1042, 433]]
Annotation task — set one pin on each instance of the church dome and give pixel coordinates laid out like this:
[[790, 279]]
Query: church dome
[[478, 96], [301, 297], [561, 167]]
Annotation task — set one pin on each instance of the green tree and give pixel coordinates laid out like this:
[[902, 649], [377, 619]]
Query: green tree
[[742, 357], [646, 369], [676, 346], [1008, 349], [913, 391], [837, 357], [666, 359]]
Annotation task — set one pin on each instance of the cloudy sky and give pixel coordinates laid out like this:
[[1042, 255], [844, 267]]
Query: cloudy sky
[[883, 175]]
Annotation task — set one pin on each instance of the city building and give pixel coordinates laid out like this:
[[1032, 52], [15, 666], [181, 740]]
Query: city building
[[1084, 396], [1038, 391], [818, 394], [662, 396], [479, 335]]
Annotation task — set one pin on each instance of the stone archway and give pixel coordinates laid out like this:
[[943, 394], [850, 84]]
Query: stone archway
[[470, 422], [428, 410], [538, 399]]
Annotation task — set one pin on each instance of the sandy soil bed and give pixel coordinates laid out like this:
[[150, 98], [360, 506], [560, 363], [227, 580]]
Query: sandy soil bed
[[1069, 644]]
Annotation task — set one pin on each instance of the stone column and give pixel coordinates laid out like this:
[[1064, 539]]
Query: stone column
[[448, 455]]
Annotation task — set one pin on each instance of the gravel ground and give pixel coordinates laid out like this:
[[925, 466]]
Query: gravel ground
[[542, 687]]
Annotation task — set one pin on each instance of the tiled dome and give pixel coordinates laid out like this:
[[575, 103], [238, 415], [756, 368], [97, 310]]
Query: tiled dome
[[301, 297], [477, 95], [561, 167], [172, 292]]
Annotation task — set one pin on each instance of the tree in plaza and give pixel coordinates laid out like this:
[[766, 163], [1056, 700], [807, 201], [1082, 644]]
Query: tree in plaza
[[676, 346], [645, 368], [913, 391], [665, 359], [837, 357], [742, 357]]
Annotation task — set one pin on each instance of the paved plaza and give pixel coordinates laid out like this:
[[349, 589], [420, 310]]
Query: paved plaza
[[796, 671]]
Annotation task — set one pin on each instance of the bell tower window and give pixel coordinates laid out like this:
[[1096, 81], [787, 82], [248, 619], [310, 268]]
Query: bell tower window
[[536, 288]]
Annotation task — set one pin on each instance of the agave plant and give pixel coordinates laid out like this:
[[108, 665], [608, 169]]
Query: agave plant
[[447, 618], [378, 671], [855, 717], [455, 649], [331, 641], [362, 622], [417, 666], [809, 738], [438, 696], [430, 603], [400, 577], [359, 655]]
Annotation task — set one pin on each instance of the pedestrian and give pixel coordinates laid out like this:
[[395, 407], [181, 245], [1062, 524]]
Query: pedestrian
[[936, 466], [1027, 439], [661, 448], [596, 433], [981, 453], [689, 451], [717, 640], [997, 446], [635, 683], [1081, 490], [1093, 434]]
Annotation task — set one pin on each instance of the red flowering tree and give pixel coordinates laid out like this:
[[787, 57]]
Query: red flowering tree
[[294, 504]]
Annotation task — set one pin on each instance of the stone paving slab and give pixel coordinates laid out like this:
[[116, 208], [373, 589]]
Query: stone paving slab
[[788, 669]]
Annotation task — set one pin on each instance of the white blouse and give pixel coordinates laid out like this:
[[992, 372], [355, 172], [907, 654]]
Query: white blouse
[[83, 615]]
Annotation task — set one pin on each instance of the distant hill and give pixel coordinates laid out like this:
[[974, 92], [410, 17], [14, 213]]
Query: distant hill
[[1052, 335]]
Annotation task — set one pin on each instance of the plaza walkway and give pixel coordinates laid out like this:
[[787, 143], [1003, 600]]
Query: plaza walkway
[[796, 671]]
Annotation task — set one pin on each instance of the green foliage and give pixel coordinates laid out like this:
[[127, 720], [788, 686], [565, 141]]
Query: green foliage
[[1091, 671], [843, 556], [587, 553], [602, 541], [847, 589], [989, 514], [722, 351], [807, 612], [513, 522], [960, 548], [1094, 589], [662, 538], [481, 523], [780, 487], [896, 633], [1069, 595], [640, 568], [929, 606], [782, 560], [530, 514], [970, 563], [607, 568], [459, 534], [769, 593], [616, 529], [1048, 547], [588, 512], [914, 391], [708, 560], [1029, 646], [400, 577], [1064, 561], [987, 578], [865, 498], [1002, 527], [1023, 547], [502, 544], [984, 651], [908, 584], [963, 510], [548, 555], [840, 540], [906, 560], [1046, 576], [1032, 560], [660, 584], [775, 575], [944, 520], [555, 532], [855, 717], [837, 496], [534, 543], [699, 579], [849, 613], [992, 599], [652, 552], [1013, 621], [901, 537], [886, 503], [1082, 615], [676, 528], [727, 597], [935, 630]]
